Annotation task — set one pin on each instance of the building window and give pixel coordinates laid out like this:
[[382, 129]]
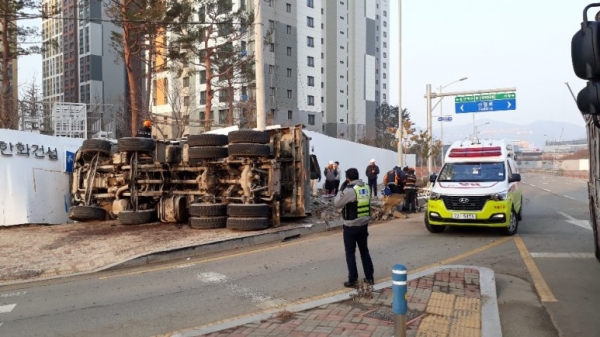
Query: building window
[[341, 17], [384, 75], [384, 34], [311, 81], [288, 8], [385, 13], [310, 22], [289, 29], [289, 72], [384, 97], [271, 24], [310, 61], [202, 76], [310, 41], [271, 47], [384, 55], [272, 91], [311, 100], [290, 114], [310, 3], [271, 69], [289, 94], [202, 97], [289, 51], [186, 101], [384, 65], [222, 116], [311, 119], [385, 45], [384, 86], [385, 23], [341, 47]]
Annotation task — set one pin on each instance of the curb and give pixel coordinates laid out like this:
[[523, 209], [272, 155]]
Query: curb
[[490, 316]]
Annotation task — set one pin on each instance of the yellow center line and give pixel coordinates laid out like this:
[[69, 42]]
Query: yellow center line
[[538, 280], [342, 291]]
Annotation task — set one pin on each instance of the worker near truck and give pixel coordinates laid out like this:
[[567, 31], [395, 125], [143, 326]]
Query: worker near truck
[[355, 201], [146, 130], [372, 173], [410, 188]]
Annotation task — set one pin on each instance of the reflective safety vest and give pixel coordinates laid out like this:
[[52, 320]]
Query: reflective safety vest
[[361, 207]]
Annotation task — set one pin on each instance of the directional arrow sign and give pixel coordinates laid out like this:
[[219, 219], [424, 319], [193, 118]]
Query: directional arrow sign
[[485, 106]]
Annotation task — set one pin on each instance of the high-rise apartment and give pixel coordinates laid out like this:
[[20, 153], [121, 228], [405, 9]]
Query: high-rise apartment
[[79, 66], [325, 66]]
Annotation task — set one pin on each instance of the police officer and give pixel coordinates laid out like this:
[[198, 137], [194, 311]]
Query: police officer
[[354, 200], [146, 130]]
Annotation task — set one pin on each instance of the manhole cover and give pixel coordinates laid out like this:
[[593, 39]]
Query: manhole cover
[[386, 314]]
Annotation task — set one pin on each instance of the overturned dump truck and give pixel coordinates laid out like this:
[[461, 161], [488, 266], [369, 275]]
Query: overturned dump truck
[[246, 180]]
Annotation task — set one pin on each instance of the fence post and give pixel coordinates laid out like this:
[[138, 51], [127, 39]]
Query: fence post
[[399, 305]]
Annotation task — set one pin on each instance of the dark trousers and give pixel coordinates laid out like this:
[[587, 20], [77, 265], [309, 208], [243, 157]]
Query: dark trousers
[[373, 186], [411, 198], [336, 186], [357, 236]]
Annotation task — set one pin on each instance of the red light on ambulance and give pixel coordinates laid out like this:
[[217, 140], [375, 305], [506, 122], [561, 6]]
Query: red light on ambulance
[[491, 151]]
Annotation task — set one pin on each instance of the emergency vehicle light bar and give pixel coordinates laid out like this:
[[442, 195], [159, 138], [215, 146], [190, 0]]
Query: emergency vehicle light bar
[[492, 151]]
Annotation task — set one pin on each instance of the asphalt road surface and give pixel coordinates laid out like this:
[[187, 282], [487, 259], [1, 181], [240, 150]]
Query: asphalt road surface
[[547, 277]]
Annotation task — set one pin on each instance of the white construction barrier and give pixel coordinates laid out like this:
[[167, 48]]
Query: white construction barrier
[[34, 178]]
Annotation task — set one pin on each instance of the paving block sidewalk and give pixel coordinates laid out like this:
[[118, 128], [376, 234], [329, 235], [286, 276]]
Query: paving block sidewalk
[[444, 303]]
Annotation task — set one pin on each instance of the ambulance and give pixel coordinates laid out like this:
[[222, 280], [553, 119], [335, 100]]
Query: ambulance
[[477, 186]]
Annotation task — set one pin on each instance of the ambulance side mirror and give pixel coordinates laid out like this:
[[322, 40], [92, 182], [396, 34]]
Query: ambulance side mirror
[[432, 178], [516, 177]]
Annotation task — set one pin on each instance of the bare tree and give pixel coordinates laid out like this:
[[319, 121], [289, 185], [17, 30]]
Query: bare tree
[[31, 107], [175, 122], [218, 55]]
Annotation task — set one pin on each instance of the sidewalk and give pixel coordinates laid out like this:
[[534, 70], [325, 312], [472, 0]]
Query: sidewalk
[[448, 301]]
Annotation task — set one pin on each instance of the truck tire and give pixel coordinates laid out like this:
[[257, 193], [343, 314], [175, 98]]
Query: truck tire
[[197, 209], [207, 139], [87, 213], [247, 224], [96, 145], [129, 217], [249, 150], [207, 152], [136, 144], [249, 136], [209, 222], [248, 210]]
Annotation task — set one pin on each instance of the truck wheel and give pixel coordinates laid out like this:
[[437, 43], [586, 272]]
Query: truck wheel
[[136, 144], [513, 225], [249, 150], [96, 145], [207, 152], [87, 213], [208, 222], [248, 210], [207, 139], [208, 209], [433, 228], [249, 136], [247, 224], [130, 217]]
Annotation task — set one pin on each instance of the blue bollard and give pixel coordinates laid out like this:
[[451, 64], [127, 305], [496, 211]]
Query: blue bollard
[[399, 305]]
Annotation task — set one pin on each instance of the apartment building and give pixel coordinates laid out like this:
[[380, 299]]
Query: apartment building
[[81, 67], [356, 66], [325, 66]]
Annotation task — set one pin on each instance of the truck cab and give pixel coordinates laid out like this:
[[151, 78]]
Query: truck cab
[[477, 186]]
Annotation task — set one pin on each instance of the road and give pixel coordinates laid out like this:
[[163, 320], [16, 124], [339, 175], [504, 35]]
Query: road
[[546, 276]]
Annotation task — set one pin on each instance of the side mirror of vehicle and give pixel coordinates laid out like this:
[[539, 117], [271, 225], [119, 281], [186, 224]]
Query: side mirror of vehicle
[[432, 178], [516, 177]]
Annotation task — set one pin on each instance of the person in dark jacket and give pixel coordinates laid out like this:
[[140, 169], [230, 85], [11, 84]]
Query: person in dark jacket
[[336, 166], [145, 131], [354, 200], [331, 174], [372, 173], [411, 190]]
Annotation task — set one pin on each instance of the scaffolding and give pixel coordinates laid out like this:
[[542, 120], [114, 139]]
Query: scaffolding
[[70, 120]]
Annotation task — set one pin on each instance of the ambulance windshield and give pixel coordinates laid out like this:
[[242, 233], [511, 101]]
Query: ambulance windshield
[[472, 172]]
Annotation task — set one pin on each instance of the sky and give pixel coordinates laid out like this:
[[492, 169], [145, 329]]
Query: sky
[[495, 43]]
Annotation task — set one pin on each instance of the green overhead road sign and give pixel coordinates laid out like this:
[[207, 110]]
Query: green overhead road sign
[[485, 97]]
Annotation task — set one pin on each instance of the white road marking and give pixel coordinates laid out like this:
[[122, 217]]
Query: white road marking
[[565, 255], [185, 265], [568, 197], [259, 299], [547, 190], [7, 308], [581, 223], [18, 293]]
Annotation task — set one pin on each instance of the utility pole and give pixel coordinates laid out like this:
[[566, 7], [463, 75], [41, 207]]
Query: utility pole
[[261, 115], [400, 121], [429, 133]]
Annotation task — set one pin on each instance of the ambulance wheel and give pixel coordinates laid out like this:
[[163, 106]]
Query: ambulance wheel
[[433, 228], [513, 225], [519, 215]]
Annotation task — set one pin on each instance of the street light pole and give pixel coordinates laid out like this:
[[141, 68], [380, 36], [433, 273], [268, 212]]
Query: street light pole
[[428, 98], [400, 121], [261, 115]]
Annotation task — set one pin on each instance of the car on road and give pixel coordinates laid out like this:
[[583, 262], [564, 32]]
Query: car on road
[[477, 186]]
